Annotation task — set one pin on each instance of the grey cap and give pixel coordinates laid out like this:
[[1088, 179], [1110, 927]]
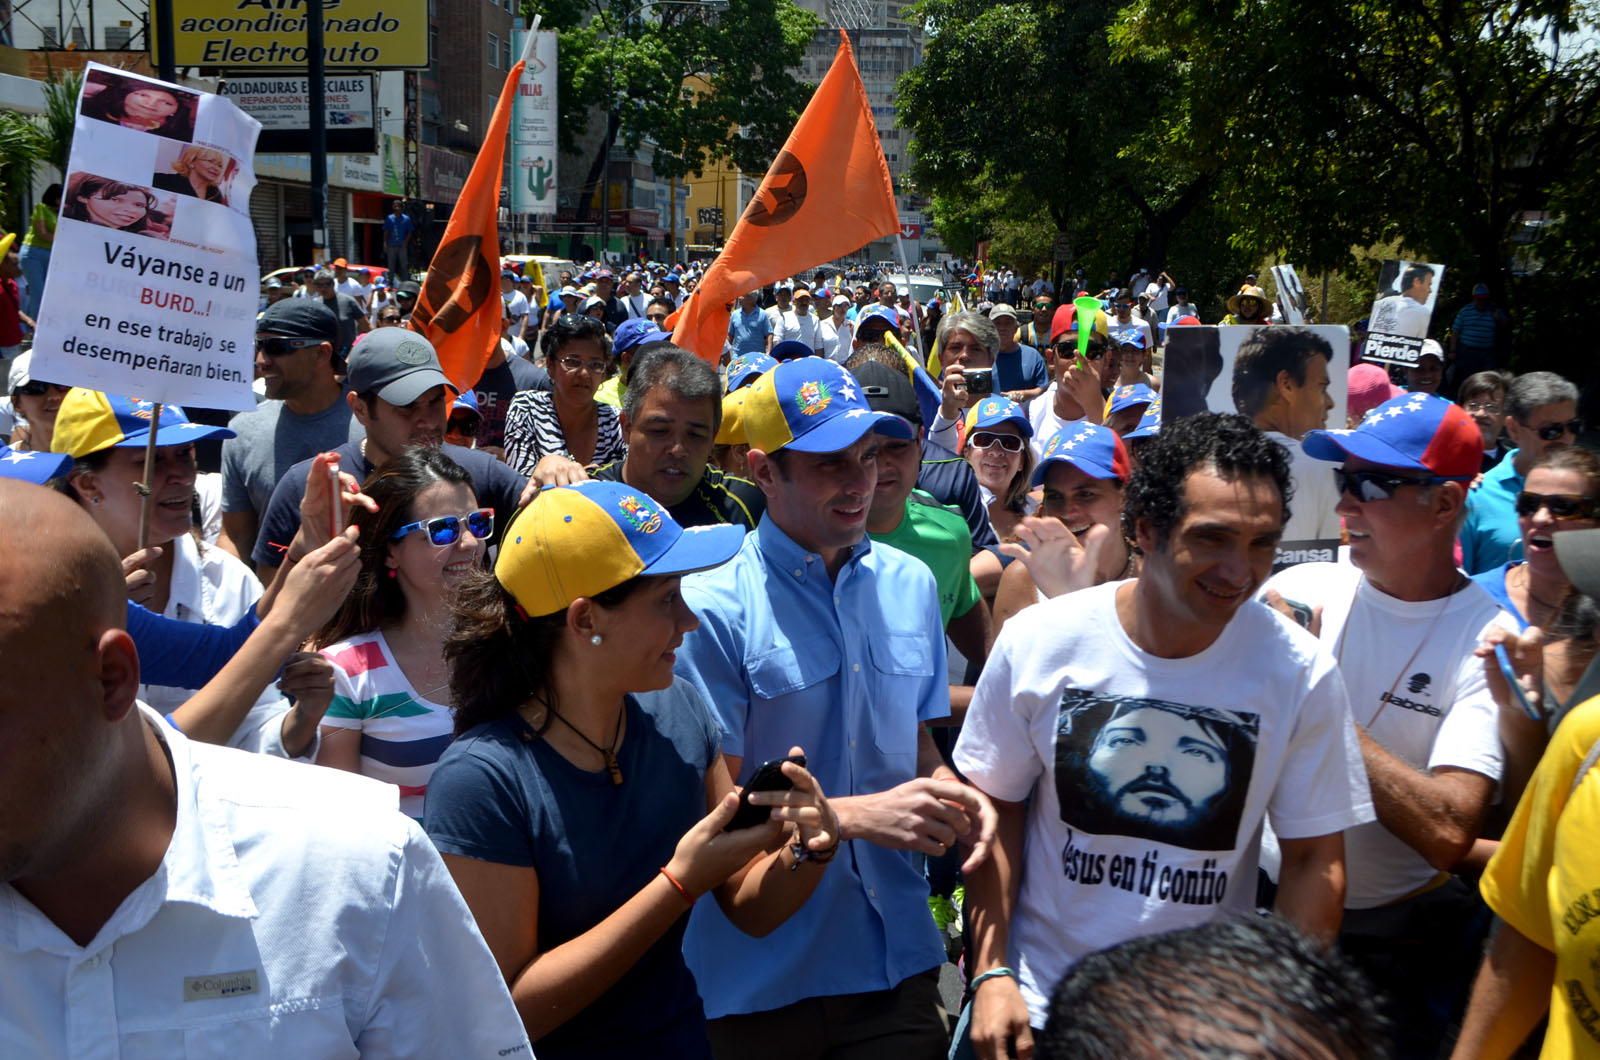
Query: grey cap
[[397, 364], [300, 318]]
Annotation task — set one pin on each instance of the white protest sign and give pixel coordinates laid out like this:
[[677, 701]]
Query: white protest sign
[[152, 287], [1291, 295], [1402, 311], [1236, 368]]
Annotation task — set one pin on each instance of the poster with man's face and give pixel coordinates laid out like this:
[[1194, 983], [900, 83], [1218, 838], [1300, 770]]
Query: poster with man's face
[[1399, 320], [1153, 769]]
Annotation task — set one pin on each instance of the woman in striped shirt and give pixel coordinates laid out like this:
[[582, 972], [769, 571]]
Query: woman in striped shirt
[[390, 716]]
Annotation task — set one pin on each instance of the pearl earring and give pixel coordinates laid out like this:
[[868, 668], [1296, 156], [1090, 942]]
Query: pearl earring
[[595, 640]]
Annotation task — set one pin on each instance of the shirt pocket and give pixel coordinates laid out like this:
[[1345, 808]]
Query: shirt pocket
[[902, 664], [793, 701], [292, 1028]]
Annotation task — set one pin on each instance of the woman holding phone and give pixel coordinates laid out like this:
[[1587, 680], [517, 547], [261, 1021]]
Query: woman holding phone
[[585, 806]]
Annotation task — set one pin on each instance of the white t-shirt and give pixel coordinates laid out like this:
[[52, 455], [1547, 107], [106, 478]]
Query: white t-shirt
[[1401, 314], [1068, 707], [1182, 309], [1311, 510], [1042, 414], [1136, 321], [791, 325], [516, 304], [1415, 686], [355, 289], [836, 342], [1158, 293]]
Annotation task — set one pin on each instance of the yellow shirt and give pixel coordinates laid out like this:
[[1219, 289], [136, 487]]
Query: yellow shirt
[[1545, 880]]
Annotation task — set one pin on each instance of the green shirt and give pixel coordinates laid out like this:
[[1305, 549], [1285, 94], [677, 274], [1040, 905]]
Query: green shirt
[[41, 212], [938, 537]]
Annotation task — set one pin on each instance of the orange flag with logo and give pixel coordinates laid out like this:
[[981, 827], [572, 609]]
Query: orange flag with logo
[[827, 194], [459, 308]]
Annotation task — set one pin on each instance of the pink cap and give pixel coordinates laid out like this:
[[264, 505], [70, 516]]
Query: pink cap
[[1369, 387]]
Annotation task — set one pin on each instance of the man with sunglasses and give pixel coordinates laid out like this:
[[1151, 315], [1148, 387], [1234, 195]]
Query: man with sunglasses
[[305, 413], [1541, 413], [400, 397], [1402, 621], [1078, 390]]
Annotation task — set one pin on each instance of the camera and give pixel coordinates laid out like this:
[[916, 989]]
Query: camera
[[980, 381]]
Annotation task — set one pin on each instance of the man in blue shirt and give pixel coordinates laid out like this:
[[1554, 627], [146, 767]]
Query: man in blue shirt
[[1478, 333], [397, 229], [1019, 371], [815, 636], [749, 328], [1541, 413]]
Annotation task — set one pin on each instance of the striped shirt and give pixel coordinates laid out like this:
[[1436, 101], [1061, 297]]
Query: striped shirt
[[402, 734], [533, 432]]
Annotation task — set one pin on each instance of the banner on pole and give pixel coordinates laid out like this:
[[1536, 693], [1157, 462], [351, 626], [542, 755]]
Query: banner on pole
[[533, 128], [152, 288], [1402, 311]]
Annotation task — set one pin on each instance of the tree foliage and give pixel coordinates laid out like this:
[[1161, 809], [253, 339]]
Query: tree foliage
[[630, 60]]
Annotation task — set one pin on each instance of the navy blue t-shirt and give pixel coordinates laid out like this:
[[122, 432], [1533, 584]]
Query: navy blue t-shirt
[[950, 480], [1020, 369], [493, 483], [501, 794]]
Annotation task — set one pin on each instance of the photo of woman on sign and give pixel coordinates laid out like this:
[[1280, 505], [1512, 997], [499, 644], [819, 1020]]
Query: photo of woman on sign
[[144, 106], [113, 204], [204, 172]]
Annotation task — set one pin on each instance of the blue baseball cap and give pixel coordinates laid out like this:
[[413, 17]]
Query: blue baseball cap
[[577, 541], [37, 468], [789, 349], [467, 399], [877, 311], [1126, 397], [995, 411], [812, 405], [1149, 423], [744, 370], [636, 332], [89, 421], [1419, 432], [1089, 447], [1129, 335]]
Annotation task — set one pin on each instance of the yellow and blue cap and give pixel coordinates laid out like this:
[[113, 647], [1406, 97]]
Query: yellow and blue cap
[[1129, 395], [812, 405], [732, 430], [743, 370], [90, 421], [37, 468], [995, 411], [578, 541], [1149, 423]]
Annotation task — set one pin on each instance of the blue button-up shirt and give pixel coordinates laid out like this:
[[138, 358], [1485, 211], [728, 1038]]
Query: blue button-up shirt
[[848, 669]]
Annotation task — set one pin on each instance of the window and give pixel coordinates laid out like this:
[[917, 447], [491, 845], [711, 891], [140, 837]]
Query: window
[[505, 54], [494, 52]]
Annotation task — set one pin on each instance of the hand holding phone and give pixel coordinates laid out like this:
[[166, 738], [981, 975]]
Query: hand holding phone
[[767, 777], [1515, 685]]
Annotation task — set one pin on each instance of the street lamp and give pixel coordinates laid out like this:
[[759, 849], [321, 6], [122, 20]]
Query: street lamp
[[611, 107]]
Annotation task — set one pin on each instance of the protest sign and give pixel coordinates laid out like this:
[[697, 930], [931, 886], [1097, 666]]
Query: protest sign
[[1237, 369], [152, 287], [1400, 315], [1292, 302]]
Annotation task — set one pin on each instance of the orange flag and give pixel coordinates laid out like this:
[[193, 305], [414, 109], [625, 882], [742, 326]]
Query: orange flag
[[828, 193], [459, 308]]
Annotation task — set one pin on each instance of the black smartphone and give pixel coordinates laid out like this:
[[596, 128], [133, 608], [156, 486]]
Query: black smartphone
[[980, 381], [767, 777]]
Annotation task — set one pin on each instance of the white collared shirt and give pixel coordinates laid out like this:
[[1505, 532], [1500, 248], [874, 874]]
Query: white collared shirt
[[297, 913]]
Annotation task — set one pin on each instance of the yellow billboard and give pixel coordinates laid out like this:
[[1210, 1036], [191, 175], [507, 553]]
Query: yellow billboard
[[271, 34]]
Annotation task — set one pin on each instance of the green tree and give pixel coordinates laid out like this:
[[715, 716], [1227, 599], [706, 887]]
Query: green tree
[[1021, 117], [629, 60]]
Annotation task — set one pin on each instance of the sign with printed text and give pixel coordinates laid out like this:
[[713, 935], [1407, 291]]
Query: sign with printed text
[[533, 128], [1235, 369], [271, 34], [282, 106], [1401, 314], [152, 289]]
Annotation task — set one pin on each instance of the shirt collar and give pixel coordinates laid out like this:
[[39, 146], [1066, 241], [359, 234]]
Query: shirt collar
[[783, 552]]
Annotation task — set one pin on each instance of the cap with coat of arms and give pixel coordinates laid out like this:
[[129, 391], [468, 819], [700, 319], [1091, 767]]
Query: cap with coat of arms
[[812, 405]]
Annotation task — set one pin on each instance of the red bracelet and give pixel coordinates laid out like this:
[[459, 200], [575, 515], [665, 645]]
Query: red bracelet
[[680, 888]]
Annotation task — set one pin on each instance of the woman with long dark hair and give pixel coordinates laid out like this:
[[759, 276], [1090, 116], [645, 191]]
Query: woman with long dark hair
[[144, 107], [553, 436], [390, 715], [113, 204], [585, 805]]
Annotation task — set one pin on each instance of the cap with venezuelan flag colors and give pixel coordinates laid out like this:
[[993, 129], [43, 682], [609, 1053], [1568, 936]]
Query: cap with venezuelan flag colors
[[1419, 432], [744, 370], [577, 541], [994, 411], [1089, 447], [90, 421], [812, 405]]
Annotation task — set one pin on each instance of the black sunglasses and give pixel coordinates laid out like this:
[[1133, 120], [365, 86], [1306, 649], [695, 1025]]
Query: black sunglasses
[[1377, 486], [1551, 431], [1561, 505], [35, 388], [278, 346]]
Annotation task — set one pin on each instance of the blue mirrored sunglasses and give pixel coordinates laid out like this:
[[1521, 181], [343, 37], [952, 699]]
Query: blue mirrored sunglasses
[[446, 529]]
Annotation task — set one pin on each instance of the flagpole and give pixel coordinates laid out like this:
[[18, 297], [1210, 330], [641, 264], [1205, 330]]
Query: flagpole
[[527, 45], [916, 319]]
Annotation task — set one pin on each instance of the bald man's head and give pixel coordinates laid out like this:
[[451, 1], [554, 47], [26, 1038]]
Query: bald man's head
[[70, 675]]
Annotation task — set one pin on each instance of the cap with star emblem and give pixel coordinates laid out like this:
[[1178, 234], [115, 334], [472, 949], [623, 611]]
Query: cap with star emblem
[[812, 405], [995, 411], [38, 468], [90, 421], [1418, 432], [1126, 397], [1089, 447]]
